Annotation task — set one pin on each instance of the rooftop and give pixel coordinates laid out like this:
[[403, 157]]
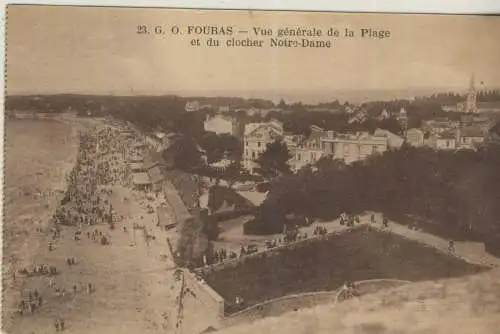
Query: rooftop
[[156, 175], [447, 135], [251, 127], [221, 163], [488, 105], [471, 132], [136, 165], [254, 196], [141, 178]]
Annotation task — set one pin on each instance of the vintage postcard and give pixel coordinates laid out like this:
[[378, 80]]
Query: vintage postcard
[[192, 171]]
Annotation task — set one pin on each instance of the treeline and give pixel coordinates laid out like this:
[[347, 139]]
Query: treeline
[[455, 190]]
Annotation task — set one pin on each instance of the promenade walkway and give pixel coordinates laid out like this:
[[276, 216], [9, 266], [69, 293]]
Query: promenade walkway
[[472, 252]]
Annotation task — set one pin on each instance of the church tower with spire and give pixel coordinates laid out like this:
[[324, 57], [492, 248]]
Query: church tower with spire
[[471, 106]]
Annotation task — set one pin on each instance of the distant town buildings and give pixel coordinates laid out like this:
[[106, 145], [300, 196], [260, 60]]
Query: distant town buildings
[[469, 106], [262, 112], [415, 137], [224, 109], [384, 115], [255, 139], [192, 106], [358, 117], [439, 125], [488, 107], [470, 138], [402, 118], [446, 141]]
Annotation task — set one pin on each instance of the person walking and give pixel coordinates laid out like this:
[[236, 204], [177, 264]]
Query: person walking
[[451, 247]]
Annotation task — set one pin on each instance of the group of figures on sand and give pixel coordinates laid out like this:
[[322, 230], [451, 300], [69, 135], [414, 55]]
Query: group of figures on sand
[[85, 204]]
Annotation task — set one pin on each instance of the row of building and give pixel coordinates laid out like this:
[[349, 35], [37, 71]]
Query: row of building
[[470, 133], [439, 133]]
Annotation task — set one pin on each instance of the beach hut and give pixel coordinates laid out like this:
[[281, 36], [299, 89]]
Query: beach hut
[[137, 167], [141, 181], [165, 217], [156, 176], [220, 166]]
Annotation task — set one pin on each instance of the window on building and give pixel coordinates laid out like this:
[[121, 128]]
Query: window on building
[[253, 155], [246, 143], [258, 144], [298, 156]]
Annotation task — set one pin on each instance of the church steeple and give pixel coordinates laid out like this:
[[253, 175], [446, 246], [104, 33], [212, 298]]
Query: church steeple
[[472, 96]]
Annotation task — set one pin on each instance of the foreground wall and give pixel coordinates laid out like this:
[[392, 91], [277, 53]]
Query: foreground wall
[[181, 213], [204, 307], [278, 306]]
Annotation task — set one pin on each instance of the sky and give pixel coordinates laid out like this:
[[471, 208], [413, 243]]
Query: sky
[[96, 50]]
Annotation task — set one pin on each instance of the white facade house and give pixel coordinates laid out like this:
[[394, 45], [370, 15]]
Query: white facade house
[[393, 140], [384, 115], [192, 106], [353, 147], [470, 138], [446, 141], [308, 151], [256, 137], [224, 109], [415, 137], [221, 125]]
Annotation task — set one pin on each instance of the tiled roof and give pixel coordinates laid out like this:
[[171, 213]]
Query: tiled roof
[[155, 174], [471, 132], [447, 135], [141, 178], [488, 105]]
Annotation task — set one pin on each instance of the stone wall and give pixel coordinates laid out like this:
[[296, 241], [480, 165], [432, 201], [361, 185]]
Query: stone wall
[[275, 307], [276, 251], [203, 305], [355, 255], [278, 306]]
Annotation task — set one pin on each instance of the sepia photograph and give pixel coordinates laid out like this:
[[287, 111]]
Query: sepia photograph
[[187, 171]]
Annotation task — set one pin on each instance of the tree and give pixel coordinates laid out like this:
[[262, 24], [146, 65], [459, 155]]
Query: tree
[[391, 125], [184, 153], [233, 172], [328, 165], [220, 146], [274, 160], [282, 104]]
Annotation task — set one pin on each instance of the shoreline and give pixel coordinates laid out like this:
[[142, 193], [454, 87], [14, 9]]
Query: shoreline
[[133, 273], [25, 254]]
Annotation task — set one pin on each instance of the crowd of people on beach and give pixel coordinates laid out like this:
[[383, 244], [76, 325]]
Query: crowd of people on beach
[[85, 204], [97, 165]]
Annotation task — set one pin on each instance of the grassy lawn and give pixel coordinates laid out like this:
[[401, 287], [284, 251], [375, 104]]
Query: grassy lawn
[[355, 255]]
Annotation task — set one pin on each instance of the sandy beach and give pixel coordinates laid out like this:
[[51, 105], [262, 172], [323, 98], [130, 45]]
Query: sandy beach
[[39, 156], [132, 278]]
